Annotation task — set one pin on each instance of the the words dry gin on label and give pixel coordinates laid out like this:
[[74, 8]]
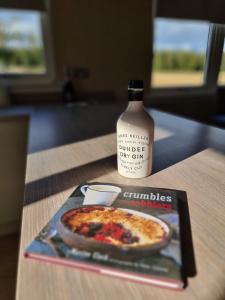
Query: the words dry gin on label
[[135, 133]]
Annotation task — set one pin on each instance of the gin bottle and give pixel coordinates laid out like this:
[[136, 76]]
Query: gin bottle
[[135, 134]]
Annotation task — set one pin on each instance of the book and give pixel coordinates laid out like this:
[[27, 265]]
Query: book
[[130, 232]]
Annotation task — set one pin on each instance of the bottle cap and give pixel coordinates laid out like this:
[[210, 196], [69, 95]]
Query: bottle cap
[[135, 84], [135, 90]]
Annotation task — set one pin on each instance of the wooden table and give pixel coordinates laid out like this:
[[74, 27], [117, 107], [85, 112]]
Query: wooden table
[[187, 156]]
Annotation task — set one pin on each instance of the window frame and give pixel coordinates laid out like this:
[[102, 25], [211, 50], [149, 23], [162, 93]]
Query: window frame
[[211, 68], [221, 57], [18, 81]]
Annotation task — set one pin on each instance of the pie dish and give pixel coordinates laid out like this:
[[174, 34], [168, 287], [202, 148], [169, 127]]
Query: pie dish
[[118, 232]]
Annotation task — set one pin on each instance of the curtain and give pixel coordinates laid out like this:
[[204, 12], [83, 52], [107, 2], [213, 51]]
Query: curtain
[[209, 10], [39, 5]]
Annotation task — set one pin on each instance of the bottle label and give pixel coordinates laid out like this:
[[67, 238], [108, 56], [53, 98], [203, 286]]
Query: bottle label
[[133, 154]]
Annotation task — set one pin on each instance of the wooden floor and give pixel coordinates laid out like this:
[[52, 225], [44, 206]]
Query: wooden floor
[[8, 266]]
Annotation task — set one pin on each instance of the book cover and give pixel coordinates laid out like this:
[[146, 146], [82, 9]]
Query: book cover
[[129, 232]]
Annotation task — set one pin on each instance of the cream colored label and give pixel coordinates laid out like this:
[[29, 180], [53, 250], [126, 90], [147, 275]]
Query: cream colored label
[[133, 154]]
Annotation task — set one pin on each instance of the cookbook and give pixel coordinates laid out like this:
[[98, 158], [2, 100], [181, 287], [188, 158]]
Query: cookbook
[[130, 232]]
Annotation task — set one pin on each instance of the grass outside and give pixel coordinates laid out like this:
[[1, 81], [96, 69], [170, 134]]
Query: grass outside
[[181, 78], [22, 69]]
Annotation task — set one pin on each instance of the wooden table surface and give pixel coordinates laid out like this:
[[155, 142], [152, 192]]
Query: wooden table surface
[[78, 144]]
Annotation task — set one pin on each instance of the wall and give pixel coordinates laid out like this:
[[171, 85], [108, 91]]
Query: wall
[[110, 38], [13, 150], [197, 107]]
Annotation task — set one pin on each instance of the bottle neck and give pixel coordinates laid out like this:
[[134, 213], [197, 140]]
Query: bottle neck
[[135, 105]]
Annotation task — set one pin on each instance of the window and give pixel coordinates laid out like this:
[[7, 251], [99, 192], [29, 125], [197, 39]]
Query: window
[[179, 52], [221, 79], [21, 43], [26, 54]]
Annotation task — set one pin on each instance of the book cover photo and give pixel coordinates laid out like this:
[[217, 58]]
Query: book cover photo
[[123, 231]]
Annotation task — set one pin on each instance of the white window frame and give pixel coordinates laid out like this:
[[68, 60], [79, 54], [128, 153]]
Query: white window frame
[[210, 72], [20, 82]]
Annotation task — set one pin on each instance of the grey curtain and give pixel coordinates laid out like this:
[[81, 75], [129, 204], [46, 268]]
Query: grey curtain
[[211, 10], [39, 5]]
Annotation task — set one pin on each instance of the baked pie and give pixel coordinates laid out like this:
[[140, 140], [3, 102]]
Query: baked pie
[[114, 226]]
